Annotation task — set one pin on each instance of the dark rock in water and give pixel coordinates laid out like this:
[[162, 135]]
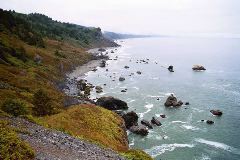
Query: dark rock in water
[[104, 84], [101, 49], [112, 51], [130, 119], [209, 122], [121, 79], [146, 123], [98, 89], [158, 99], [163, 115], [170, 68], [198, 68], [94, 70], [172, 101], [141, 130], [156, 121], [103, 63], [139, 72], [126, 67], [216, 112], [202, 120], [112, 103], [123, 91], [187, 103], [106, 69]]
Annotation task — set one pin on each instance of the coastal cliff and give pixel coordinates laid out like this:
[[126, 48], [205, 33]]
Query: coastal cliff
[[36, 54]]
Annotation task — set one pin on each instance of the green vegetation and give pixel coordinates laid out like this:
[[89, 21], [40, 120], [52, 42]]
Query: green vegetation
[[42, 103], [93, 123], [15, 107], [135, 154], [59, 54], [11, 147]]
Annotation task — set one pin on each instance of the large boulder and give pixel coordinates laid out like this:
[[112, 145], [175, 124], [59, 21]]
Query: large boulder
[[216, 112], [172, 101], [141, 130], [146, 123], [198, 68], [112, 103], [131, 119]]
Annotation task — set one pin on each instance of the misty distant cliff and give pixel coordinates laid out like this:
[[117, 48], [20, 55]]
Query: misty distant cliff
[[113, 35]]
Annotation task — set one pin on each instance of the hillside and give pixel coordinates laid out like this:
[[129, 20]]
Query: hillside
[[35, 54]]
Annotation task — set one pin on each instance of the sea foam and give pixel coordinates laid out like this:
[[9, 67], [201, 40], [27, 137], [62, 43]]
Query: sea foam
[[188, 127], [218, 145], [158, 150]]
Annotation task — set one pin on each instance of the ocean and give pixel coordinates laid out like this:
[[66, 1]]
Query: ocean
[[182, 136]]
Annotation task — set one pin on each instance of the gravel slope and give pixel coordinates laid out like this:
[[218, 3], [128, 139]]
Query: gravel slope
[[54, 145]]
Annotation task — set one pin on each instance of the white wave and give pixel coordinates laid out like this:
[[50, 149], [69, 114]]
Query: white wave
[[132, 142], [218, 145], [151, 96], [149, 106], [157, 115], [135, 88], [132, 100], [204, 157], [190, 127], [158, 150], [103, 93], [169, 94], [178, 122], [198, 110]]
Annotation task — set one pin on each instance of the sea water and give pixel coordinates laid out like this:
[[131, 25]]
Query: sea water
[[182, 135]]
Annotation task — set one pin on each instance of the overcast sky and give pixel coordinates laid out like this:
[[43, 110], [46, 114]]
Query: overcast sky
[[166, 17]]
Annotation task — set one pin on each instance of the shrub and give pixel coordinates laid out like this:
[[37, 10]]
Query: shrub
[[42, 103], [59, 54], [15, 107], [11, 147]]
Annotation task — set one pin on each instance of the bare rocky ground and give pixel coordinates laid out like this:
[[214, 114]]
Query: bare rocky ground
[[55, 145]]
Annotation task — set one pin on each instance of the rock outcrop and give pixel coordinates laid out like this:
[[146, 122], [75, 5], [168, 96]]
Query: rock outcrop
[[130, 119], [111, 103], [172, 101], [198, 68], [141, 130], [146, 123], [156, 121], [216, 112]]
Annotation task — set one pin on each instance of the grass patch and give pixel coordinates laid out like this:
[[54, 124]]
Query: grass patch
[[92, 123]]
